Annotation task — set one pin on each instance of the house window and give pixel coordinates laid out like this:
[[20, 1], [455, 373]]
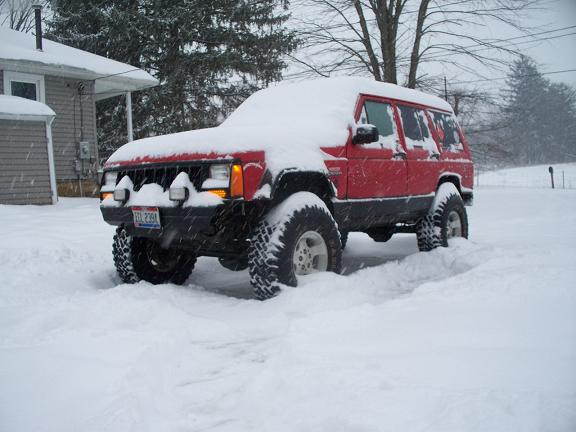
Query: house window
[[27, 86], [24, 89]]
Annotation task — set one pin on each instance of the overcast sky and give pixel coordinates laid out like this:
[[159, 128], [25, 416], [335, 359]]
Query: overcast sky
[[557, 54]]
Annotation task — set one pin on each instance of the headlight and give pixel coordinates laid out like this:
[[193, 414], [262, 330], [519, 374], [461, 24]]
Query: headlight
[[121, 195], [110, 178], [220, 171]]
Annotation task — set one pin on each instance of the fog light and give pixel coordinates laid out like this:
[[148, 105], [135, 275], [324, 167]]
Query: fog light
[[121, 195], [178, 194]]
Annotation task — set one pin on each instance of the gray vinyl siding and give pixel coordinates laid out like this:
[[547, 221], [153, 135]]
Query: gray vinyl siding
[[62, 96], [24, 170]]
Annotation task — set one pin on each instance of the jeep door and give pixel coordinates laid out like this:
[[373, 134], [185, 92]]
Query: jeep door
[[422, 152], [378, 169]]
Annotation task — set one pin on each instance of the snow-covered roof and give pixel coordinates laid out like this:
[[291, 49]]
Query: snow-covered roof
[[17, 108], [290, 122], [18, 52]]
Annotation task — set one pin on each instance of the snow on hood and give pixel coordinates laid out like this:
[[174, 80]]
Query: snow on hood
[[290, 122]]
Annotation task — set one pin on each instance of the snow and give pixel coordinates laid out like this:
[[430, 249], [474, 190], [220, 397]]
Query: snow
[[477, 337], [153, 195], [21, 47], [284, 211], [533, 176], [17, 107], [289, 122], [195, 199]]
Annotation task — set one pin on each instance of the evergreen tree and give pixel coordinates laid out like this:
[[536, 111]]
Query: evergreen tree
[[539, 117], [208, 56]]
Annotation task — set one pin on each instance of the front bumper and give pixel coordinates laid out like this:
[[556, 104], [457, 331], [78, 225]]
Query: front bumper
[[175, 221]]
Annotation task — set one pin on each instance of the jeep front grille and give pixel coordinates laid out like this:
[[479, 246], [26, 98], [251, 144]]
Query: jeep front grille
[[164, 176]]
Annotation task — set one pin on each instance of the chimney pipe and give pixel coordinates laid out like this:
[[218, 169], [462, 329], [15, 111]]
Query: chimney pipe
[[38, 18]]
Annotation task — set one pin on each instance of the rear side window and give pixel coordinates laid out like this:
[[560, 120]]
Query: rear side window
[[381, 115], [416, 131], [447, 131]]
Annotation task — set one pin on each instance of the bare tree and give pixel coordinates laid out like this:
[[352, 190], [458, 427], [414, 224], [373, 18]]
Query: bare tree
[[18, 14], [387, 38]]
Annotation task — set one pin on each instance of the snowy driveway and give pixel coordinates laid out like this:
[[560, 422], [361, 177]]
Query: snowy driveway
[[478, 337]]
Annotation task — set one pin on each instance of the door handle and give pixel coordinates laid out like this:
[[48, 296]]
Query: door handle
[[435, 156], [399, 155]]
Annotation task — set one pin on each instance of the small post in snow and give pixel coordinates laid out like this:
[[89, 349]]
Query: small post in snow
[[551, 171], [563, 184], [445, 89]]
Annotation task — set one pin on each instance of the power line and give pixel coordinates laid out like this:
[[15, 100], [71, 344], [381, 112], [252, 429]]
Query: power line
[[520, 76], [484, 47]]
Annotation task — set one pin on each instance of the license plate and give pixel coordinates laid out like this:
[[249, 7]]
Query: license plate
[[146, 217]]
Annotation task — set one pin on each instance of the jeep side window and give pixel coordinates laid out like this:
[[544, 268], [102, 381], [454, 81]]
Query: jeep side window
[[381, 115], [447, 131], [416, 131]]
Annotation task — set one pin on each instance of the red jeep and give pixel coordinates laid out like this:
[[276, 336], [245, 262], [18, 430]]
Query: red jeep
[[277, 187]]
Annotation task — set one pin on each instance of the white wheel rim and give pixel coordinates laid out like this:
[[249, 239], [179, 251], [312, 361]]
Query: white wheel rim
[[310, 254], [454, 225]]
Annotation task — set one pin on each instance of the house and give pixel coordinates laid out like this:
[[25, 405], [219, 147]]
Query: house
[[68, 81], [26, 152]]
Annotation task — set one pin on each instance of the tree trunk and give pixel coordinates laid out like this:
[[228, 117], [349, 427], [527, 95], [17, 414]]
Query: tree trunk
[[367, 43], [415, 56]]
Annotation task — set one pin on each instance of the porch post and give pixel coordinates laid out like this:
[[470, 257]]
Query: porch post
[[129, 116]]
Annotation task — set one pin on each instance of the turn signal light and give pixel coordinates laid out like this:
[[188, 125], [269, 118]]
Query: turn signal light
[[106, 195], [237, 181], [220, 192]]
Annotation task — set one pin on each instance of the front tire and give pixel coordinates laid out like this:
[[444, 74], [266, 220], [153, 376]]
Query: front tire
[[298, 237], [446, 218], [344, 238], [139, 258]]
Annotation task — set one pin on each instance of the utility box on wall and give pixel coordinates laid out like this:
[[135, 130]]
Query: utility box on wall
[[84, 150]]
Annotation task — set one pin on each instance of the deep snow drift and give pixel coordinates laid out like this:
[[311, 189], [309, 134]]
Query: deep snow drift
[[477, 337]]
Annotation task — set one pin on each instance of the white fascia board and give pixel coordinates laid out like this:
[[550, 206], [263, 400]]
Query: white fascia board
[[25, 117], [104, 86]]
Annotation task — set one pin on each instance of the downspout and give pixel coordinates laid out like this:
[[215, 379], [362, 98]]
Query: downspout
[[51, 165], [129, 116]]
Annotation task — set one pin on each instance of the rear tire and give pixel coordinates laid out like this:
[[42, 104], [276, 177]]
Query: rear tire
[[297, 237], [446, 218], [139, 258]]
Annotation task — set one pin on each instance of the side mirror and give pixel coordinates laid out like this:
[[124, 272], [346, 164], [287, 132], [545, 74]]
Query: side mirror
[[366, 134]]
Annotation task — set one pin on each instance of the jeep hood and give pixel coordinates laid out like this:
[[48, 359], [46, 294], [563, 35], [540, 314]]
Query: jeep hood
[[284, 146], [291, 123]]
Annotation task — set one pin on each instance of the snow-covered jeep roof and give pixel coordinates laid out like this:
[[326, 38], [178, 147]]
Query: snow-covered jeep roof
[[290, 122]]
